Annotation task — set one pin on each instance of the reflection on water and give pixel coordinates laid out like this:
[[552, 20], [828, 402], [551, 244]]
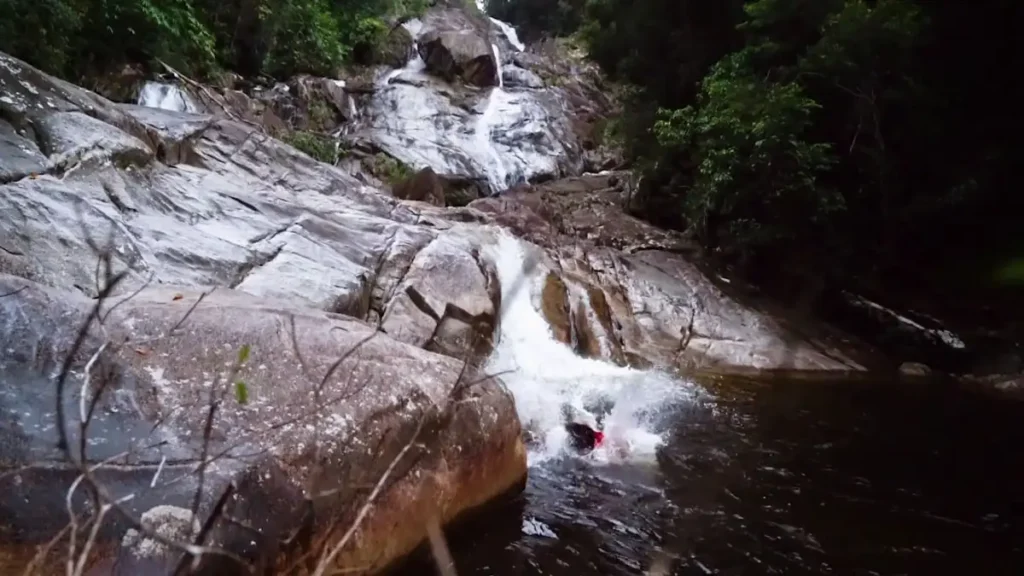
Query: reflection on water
[[787, 478]]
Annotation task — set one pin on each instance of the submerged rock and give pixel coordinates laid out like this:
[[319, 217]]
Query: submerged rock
[[914, 369]]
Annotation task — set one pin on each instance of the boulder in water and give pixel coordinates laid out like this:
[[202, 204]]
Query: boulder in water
[[914, 370], [395, 50]]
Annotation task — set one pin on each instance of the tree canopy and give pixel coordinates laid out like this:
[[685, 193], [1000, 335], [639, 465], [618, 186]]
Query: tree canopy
[[80, 38], [868, 142]]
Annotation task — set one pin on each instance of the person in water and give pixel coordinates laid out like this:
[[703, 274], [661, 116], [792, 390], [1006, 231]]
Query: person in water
[[584, 436]]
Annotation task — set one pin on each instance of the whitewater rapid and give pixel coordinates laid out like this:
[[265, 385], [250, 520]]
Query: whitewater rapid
[[543, 374], [166, 97]]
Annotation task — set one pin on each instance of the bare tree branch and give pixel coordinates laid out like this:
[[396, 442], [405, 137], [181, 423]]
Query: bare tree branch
[[13, 292]]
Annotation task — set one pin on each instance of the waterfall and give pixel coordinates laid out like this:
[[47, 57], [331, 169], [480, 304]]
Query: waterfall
[[505, 27], [497, 64], [510, 34], [166, 97], [484, 150], [544, 374], [508, 135]]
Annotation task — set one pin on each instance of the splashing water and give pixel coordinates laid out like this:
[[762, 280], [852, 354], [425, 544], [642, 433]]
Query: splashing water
[[166, 97], [544, 374]]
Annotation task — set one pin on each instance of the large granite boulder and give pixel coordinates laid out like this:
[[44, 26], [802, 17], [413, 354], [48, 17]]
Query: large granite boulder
[[449, 297], [309, 409], [459, 54], [424, 186]]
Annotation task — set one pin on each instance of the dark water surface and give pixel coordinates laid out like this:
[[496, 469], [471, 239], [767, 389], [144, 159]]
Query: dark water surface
[[782, 478]]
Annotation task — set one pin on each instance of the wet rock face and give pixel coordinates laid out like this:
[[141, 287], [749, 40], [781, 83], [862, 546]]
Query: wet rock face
[[430, 113], [448, 299], [302, 104], [588, 99], [621, 289]]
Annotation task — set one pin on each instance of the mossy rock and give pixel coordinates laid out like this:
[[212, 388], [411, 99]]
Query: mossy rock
[[318, 146], [394, 49], [387, 169], [462, 191]]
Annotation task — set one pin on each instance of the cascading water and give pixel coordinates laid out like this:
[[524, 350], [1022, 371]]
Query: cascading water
[[510, 33], [544, 374], [166, 97], [497, 64], [496, 170], [507, 136]]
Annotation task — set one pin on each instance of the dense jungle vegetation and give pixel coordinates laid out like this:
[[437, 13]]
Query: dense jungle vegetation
[[868, 144], [79, 39]]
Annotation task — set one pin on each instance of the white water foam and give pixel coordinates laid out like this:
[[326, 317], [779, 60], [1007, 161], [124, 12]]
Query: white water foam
[[543, 374], [166, 97], [484, 150]]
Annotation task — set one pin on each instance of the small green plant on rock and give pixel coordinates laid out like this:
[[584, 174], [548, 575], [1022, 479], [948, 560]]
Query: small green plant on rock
[[321, 116], [318, 146], [388, 169]]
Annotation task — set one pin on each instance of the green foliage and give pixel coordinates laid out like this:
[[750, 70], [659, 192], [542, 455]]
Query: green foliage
[[321, 114], [241, 392], [388, 169], [42, 32], [768, 125], [305, 38], [536, 18], [76, 38], [754, 166], [322, 148]]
